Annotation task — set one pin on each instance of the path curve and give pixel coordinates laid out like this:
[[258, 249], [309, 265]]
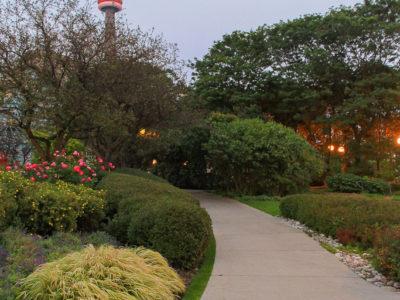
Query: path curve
[[261, 258]]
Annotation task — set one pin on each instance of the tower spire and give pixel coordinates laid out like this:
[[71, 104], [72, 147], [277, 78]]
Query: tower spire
[[110, 8]]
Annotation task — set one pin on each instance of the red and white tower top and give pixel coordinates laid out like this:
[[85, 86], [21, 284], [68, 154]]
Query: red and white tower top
[[105, 5]]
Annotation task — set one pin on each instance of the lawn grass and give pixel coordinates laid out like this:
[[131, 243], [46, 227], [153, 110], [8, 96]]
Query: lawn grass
[[269, 205], [200, 280]]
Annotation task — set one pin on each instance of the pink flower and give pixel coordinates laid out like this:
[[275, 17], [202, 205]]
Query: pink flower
[[33, 179], [100, 160], [47, 168], [34, 166], [76, 153], [53, 164], [45, 163], [77, 169], [111, 165], [94, 174], [82, 163], [38, 174], [83, 180], [89, 179], [8, 168], [81, 173], [103, 168], [64, 166], [45, 176]]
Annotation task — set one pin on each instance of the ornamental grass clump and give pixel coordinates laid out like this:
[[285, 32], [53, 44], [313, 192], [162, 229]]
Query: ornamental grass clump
[[104, 273]]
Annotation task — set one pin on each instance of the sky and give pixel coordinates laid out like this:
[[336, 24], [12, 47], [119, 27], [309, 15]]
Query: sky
[[195, 24]]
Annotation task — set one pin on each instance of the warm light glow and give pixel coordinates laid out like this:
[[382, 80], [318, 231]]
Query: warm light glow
[[341, 149], [145, 133], [398, 141], [154, 162], [331, 148], [185, 163]]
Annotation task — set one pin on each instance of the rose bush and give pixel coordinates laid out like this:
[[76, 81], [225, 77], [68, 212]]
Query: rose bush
[[75, 168]]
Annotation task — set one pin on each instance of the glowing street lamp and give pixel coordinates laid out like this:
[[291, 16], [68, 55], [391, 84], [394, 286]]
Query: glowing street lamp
[[331, 148], [341, 150], [398, 141]]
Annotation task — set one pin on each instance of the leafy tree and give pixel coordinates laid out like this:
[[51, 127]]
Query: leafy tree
[[337, 72], [59, 82]]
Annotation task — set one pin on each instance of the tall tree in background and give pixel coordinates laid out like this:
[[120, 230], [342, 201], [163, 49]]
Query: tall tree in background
[[322, 73], [58, 83]]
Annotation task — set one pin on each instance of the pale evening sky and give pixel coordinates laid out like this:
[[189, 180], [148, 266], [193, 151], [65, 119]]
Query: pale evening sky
[[195, 24]]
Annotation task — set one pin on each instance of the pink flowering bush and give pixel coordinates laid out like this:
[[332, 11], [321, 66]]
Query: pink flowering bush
[[73, 168]]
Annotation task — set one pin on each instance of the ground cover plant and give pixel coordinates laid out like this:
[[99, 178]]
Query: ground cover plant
[[22, 253], [354, 219], [158, 216], [105, 273]]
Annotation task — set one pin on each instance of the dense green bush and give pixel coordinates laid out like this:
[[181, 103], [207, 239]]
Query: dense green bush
[[352, 218], [21, 253], [350, 183], [159, 216], [46, 207], [254, 157], [105, 273], [387, 253], [184, 162]]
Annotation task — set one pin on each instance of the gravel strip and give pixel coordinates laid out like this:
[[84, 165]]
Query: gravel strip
[[359, 264]]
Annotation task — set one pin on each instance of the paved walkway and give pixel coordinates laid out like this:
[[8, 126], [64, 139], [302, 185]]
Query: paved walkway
[[261, 258]]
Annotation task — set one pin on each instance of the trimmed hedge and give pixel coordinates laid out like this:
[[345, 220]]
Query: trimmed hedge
[[44, 208], [144, 212], [140, 173], [350, 183], [352, 218]]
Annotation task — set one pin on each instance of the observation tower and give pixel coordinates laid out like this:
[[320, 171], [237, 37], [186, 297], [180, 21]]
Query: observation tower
[[110, 8]]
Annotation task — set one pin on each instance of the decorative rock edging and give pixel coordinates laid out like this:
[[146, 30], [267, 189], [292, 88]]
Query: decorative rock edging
[[359, 264]]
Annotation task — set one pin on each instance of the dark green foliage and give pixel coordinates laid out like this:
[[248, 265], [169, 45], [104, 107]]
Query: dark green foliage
[[352, 218], [349, 183], [315, 72], [184, 163], [250, 156], [159, 216], [21, 253]]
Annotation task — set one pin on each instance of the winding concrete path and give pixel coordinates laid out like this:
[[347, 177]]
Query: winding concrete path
[[261, 258]]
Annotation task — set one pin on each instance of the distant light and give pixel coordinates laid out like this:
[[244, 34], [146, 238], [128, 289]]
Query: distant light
[[186, 163], [341, 149], [331, 148], [398, 141], [154, 162]]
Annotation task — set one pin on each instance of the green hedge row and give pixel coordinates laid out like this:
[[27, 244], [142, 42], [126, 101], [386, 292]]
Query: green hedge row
[[350, 183], [355, 219], [154, 214]]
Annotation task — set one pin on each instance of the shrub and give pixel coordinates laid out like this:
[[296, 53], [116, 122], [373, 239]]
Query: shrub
[[349, 183], [159, 216], [254, 157], [352, 218], [140, 173], [105, 273], [45, 207], [387, 252], [22, 253], [74, 168], [184, 162]]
